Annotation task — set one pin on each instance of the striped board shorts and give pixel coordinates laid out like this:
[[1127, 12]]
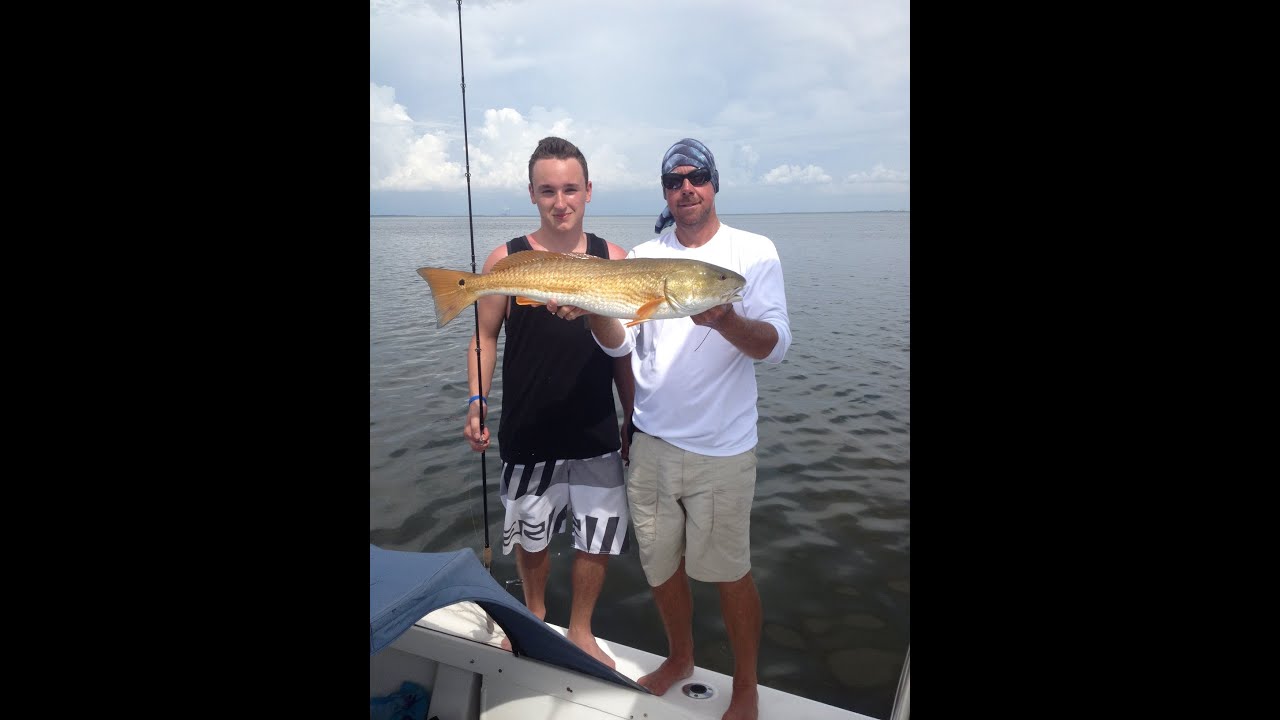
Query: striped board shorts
[[540, 498]]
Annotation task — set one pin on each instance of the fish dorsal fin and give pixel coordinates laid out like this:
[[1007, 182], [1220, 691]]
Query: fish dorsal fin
[[525, 257]]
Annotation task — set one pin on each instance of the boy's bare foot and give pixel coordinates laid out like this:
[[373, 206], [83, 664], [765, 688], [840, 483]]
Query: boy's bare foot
[[506, 641], [588, 643], [668, 673]]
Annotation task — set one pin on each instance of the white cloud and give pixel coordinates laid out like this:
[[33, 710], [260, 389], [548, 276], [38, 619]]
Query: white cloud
[[789, 174], [401, 159], [817, 90], [879, 174]]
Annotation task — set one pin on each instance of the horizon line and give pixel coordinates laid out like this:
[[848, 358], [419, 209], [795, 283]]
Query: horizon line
[[534, 215]]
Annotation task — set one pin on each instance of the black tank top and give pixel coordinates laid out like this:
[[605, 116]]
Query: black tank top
[[557, 384]]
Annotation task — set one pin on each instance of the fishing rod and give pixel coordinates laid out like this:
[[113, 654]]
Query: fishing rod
[[487, 558]]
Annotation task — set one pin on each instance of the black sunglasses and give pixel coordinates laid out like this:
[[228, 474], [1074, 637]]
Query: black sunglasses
[[675, 181]]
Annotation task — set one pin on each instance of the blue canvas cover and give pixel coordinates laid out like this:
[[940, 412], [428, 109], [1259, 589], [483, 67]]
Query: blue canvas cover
[[405, 586]]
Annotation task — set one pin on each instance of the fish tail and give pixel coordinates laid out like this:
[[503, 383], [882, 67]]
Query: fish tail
[[451, 291]]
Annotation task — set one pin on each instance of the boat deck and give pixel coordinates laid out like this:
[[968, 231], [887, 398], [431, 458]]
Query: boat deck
[[467, 646]]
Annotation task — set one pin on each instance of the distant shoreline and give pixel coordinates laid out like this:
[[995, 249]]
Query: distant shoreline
[[806, 212]]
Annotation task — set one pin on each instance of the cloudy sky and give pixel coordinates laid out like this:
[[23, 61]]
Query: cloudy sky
[[806, 105]]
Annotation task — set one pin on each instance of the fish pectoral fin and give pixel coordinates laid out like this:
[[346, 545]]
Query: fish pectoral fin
[[528, 301], [645, 312]]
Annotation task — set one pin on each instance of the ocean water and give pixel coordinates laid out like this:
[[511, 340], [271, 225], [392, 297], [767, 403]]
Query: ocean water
[[831, 523]]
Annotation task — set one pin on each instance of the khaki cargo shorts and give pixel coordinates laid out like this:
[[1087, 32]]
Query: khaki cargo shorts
[[698, 506]]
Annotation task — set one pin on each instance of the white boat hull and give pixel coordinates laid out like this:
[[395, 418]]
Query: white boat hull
[[455, 652]]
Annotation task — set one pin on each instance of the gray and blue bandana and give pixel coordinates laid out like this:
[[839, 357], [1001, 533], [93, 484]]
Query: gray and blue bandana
[[686, 152]]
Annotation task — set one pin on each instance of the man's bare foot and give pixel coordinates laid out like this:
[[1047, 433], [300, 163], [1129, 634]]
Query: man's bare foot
[[588, 643], [668, 673], [745, 705]]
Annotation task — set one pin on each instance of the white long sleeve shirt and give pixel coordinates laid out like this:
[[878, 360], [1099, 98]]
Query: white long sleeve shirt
[[694, 389]]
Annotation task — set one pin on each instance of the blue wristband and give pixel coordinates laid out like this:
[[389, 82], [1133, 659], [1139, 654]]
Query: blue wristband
[[474, 398]]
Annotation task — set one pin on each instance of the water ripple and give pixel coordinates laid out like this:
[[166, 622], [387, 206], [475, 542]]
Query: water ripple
[[831, 521]]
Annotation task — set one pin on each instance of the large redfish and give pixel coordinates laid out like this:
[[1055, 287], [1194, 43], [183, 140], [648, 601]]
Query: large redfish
[[636, 289]]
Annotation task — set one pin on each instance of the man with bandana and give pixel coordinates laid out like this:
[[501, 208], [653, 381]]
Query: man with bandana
[[692, 472]]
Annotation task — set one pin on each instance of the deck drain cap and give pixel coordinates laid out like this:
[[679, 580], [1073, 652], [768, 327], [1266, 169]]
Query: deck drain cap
[[698, 691]]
